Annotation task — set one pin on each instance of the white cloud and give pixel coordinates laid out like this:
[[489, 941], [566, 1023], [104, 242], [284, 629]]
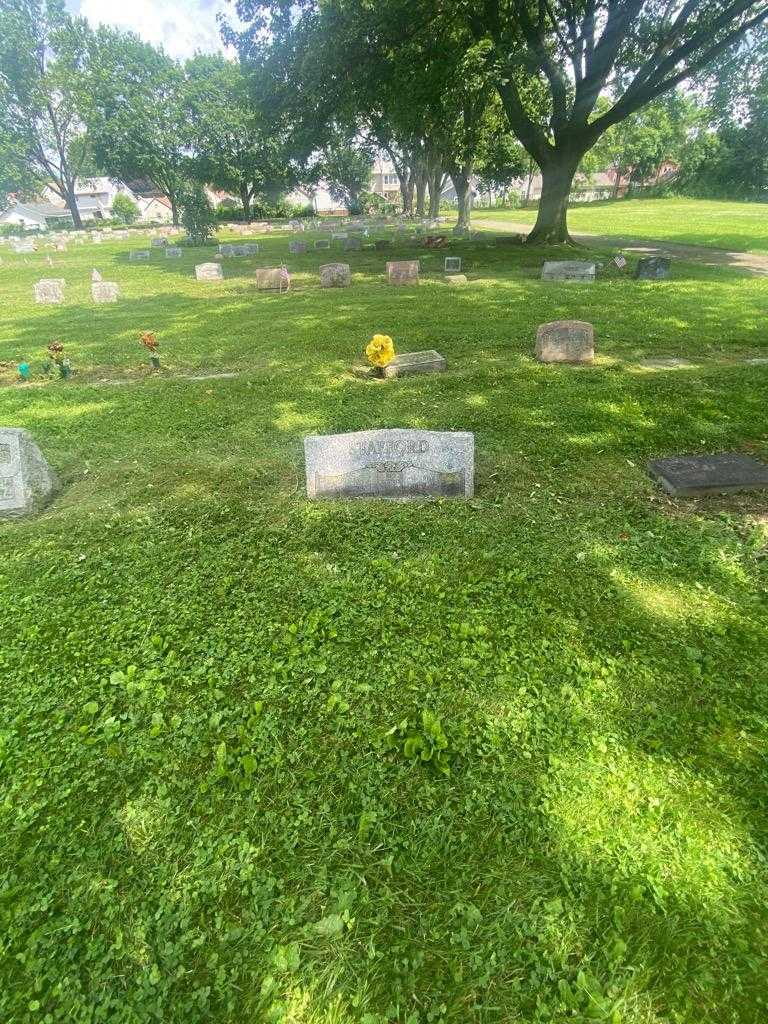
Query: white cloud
[[179, 26]]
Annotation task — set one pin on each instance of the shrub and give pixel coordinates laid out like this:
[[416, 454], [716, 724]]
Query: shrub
[[124, 209], [196, 215]]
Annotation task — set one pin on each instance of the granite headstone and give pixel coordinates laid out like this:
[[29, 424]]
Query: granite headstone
[[398, 463], [209, 272], [335, 275], [686, 476], [104, 291], [49, 291], [403, 272], [653, 268], [565, 341], [26, 480], [568, 270]]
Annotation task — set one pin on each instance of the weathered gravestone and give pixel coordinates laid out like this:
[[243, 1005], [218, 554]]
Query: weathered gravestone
[[339, 236], [699, 475], [173, 252], [269, 278], [26, 480], [209, 272], [296, 247], [653, 268], [24, 247], [452, 265], [50, 291], [95, 275], [565, 341], [568, 270], [322, 243], [104, 291], [227, 249], [138, 254], [407, 363], [352, 244], [159, 243], [401, 464], [403, 271], [335, 275], [456, 280]]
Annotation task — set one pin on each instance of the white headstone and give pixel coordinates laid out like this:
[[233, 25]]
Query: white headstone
[[104, 291], [26, 479], [209, 272], [49, 292]]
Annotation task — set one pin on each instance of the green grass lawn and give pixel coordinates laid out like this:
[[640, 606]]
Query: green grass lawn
[[202, 819], [740, 227]]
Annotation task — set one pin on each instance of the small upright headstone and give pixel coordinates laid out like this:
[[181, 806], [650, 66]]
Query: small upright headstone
[[27, 482], [104, 291], [653, 268], [296, 247], [23, 248], [227, 249], [399, 464], [568, 270], [403, 271], [452, 264], [159, 243], [250, 249], [209, 272], [49, 291], [339, 236], [138, 254], [271, 278], [565, 341], [456, 280], [322, 243], [95, 275], [335, 275], [692, 476], [352, 244], [405, 364], [173, 252]]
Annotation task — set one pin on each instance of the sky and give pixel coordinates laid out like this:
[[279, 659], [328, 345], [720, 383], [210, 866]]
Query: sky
[[180, 26]]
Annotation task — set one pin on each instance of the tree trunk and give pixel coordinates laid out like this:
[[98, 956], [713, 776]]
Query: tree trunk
[[71, 200], [551, 225], [245, 199], [174, 210], [617, 183], [421, 193], [435, 188], [464, 199], [530, 182]]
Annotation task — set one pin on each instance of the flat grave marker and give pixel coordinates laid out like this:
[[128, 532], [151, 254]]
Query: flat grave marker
[[322, 243], [296, 247], [653, 268], [173, 252], [397, 464], [568, 270], [693, 476], [406, 364], [138, 254]]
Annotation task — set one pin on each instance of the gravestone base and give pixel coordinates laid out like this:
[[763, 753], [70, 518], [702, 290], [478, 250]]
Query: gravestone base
[[407, 363], [694, 476], [456, 280], [27, 482]]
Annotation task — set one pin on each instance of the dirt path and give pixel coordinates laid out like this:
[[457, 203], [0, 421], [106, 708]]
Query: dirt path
[[749, 262]]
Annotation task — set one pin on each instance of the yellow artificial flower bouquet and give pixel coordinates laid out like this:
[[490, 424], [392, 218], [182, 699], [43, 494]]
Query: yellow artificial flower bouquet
[[380, 350]]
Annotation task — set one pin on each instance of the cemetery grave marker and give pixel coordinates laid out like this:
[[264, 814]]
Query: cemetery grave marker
[[322, 243], [173, 252], [138, 254], [653, 268], [26, 480], [49, 291], [565, 341], [398, 463], [452, 265], [689, 476], [272, 278], [209, 272], [405, 364], [351, 244], [403, 272], [335, 275], [104, 291], [456, 280], [568, 270], [95, 275], [297, 247]]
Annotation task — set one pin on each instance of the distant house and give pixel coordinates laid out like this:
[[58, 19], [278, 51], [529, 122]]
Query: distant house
[[217, 198], [94, 197], [156, 208], [385, 181], [37, 216], [319, 198]]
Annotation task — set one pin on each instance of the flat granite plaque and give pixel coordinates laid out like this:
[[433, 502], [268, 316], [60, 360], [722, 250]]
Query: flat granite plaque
[[50, 291], [173, 252], [138, 254], [26, 480], [568, 270], [323, 243], [565, 341], [209, 272], [297, 247], [335, 275], [691, 476], [397, 464], [406, 363], [104, 291], [403, 271], [653, 268]]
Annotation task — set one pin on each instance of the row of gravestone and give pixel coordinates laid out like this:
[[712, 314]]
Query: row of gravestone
[[649, 268], [400, 464], [50, 291]]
